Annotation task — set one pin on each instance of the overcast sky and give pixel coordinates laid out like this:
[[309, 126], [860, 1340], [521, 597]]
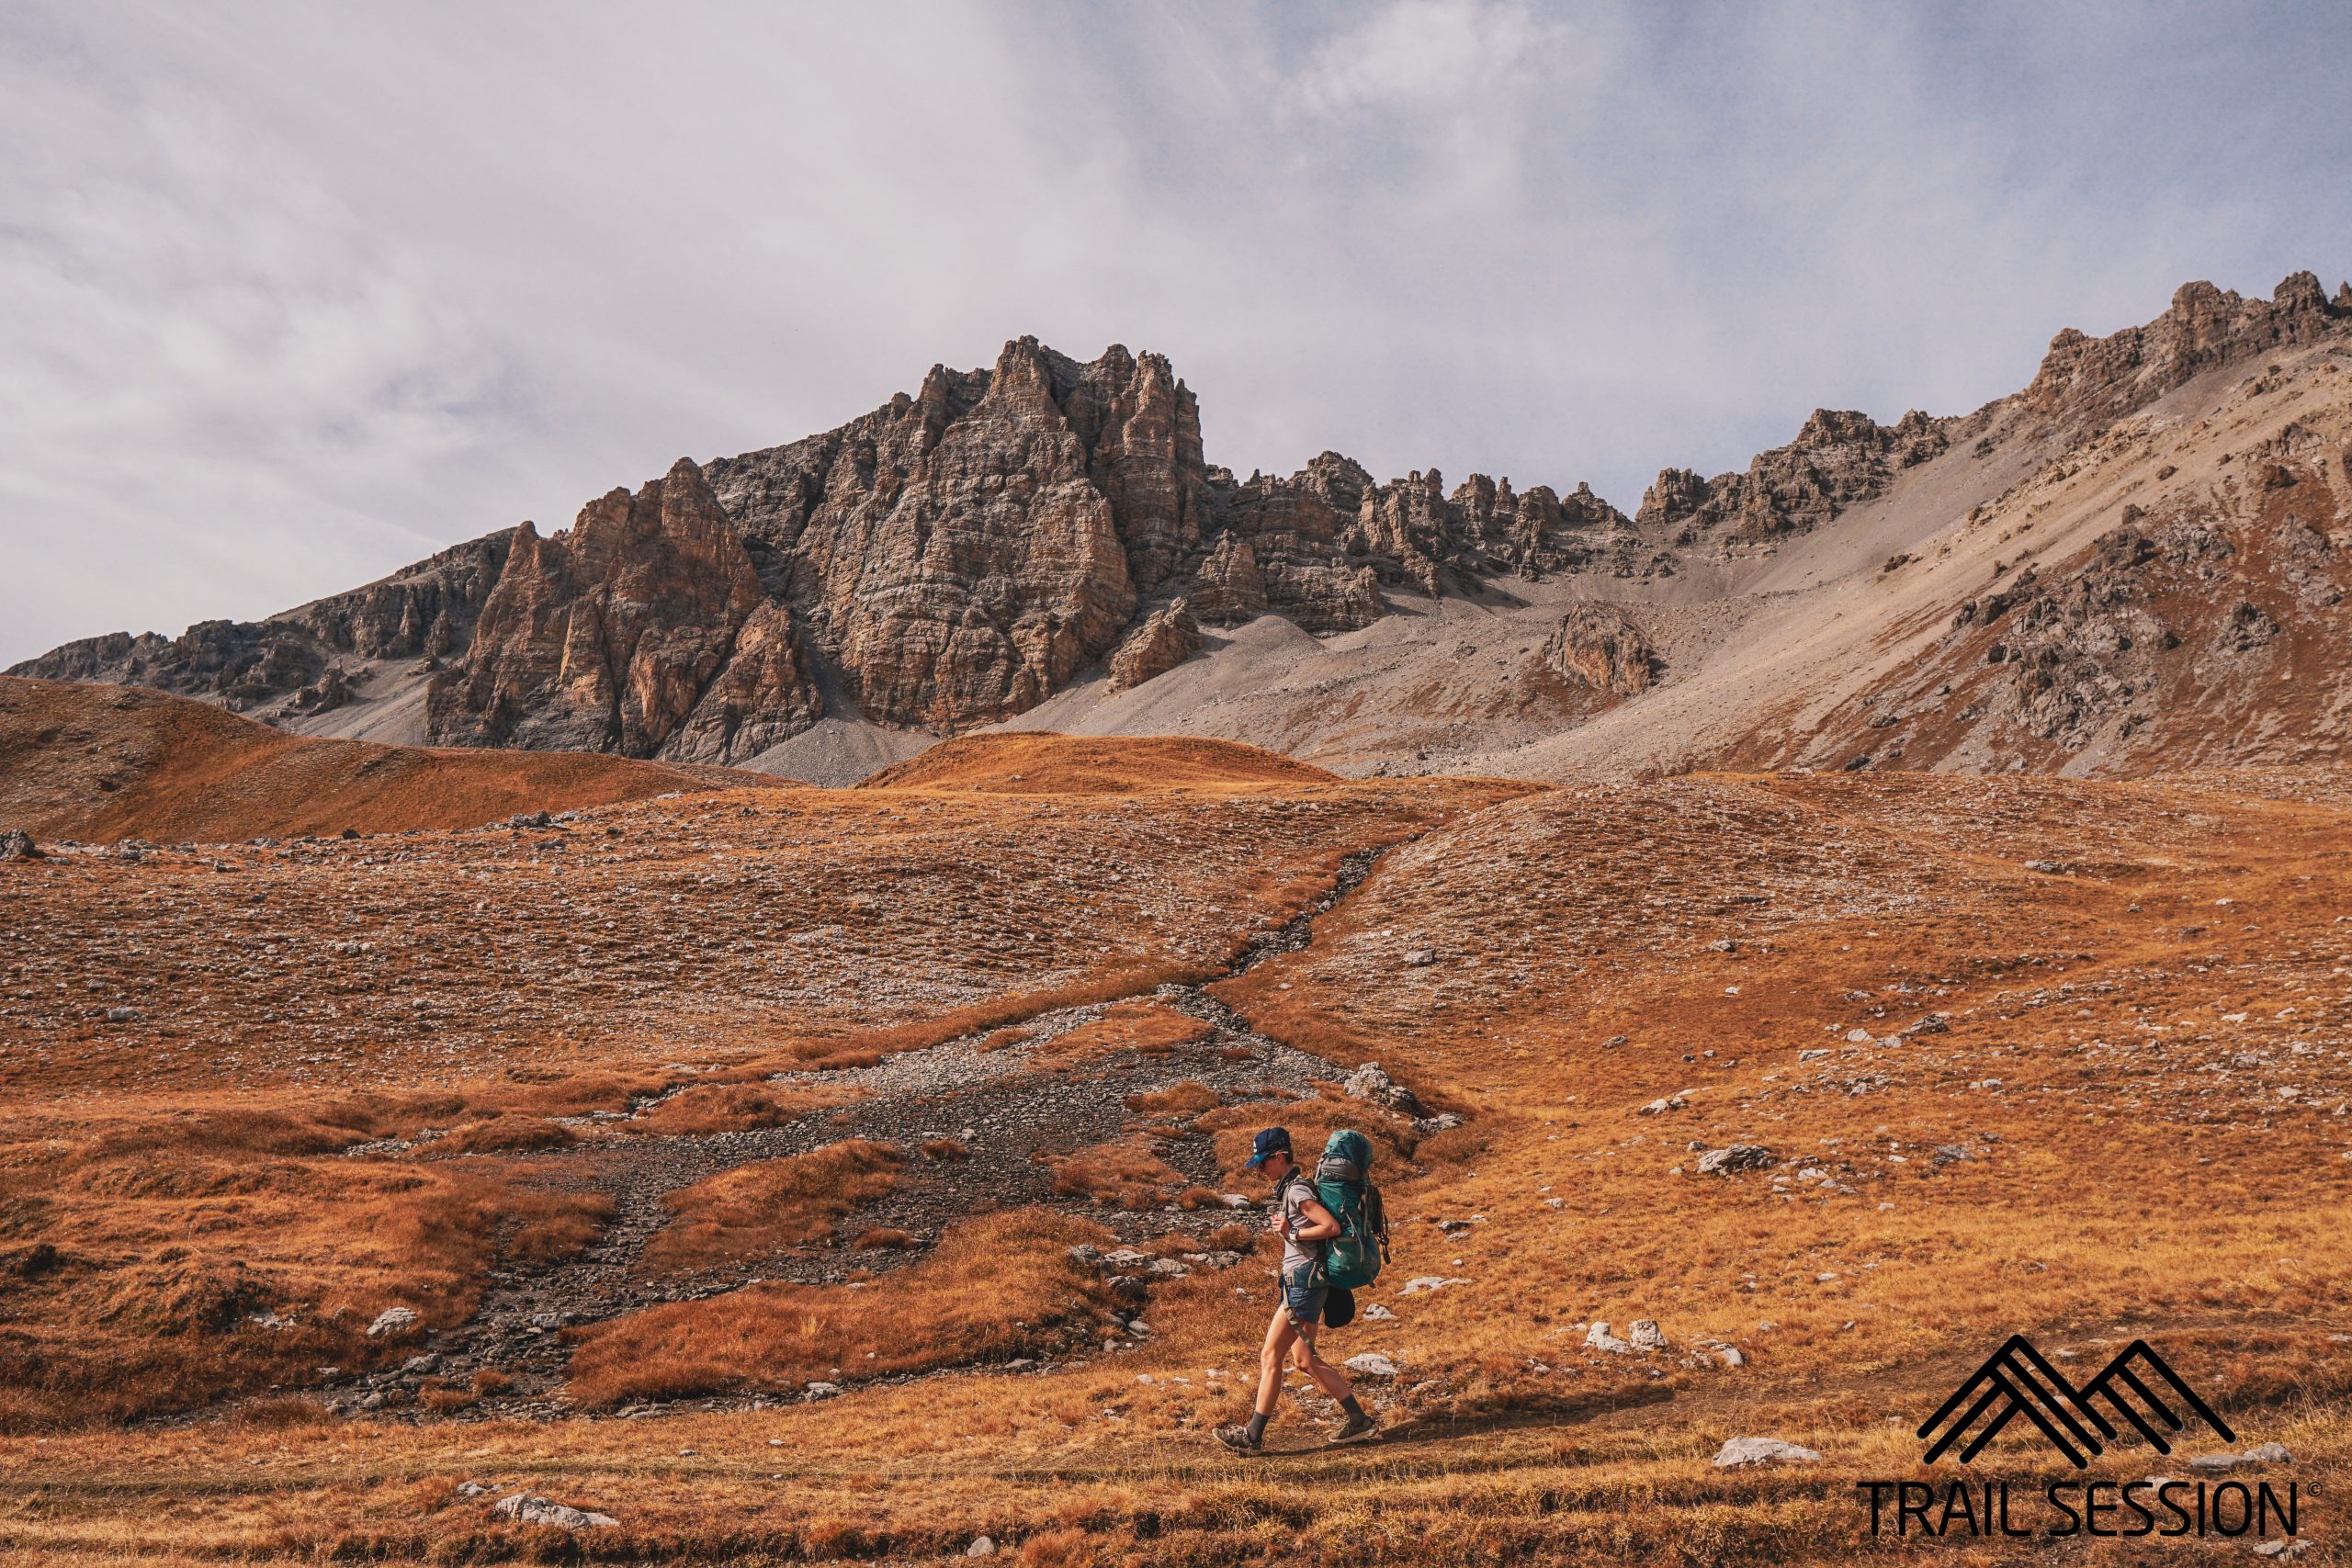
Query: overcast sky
[[292, 296]]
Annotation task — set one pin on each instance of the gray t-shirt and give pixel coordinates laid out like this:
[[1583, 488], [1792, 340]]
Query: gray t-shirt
[[1290, 1218]]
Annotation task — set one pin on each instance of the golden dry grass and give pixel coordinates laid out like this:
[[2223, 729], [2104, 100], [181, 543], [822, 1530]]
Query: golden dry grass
[[995, 1287], [2120, 1022], [735, 1108], [772, 1205], [1148, 1028], [1187, 1099], [159, 1283], [1070, 764], [108, 763], [1126, 1173]]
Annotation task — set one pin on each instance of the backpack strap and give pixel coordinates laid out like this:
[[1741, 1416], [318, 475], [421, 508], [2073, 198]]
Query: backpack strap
[[1282, 1203]]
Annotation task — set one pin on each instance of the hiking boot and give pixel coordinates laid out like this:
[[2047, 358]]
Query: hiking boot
[[1356, 1429], [1238, 1439]]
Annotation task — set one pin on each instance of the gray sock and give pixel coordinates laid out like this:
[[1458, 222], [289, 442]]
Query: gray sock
[[1258, 1426], [1355, 1411]]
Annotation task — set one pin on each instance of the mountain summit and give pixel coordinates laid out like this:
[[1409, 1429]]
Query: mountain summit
[[2137, 560]]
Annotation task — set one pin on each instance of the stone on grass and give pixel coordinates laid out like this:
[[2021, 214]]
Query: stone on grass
[[1370, 1364], [982, 1546], [525, 1509], [1646, 1334], [1428, 1282], [1737, 1157], [1370, 1082], [393, 1320], [1597, 1337], [1739, 1452], [2247, 1459]]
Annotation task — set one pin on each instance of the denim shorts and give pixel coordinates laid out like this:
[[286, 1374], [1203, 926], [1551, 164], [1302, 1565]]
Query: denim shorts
[[1303, 1293]]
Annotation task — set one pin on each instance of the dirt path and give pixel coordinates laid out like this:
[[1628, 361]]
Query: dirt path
[[1005, 1106]]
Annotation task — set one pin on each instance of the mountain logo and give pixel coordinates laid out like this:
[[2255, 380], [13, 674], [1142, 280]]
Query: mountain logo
[[2017, 1380]]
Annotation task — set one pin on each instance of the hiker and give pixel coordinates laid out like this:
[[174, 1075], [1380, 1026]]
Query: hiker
[[1307, 1227]]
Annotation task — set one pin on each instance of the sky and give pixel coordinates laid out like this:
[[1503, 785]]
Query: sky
[[293, 294]]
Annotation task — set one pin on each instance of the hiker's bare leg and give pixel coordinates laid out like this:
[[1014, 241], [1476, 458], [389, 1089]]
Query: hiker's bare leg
[[1328, 1378], [1280, 1333]]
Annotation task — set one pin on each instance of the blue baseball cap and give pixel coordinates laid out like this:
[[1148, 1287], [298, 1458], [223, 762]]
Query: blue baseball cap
[[1268, 1144]]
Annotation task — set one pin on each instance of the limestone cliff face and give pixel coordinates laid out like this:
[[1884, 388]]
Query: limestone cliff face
[[2205, 626], [1228, 588], [960, 555], [643, 629], [1288, 546], [1318, 546], [1839, 459], [2086, 379], [425, 611], [1166, 638]]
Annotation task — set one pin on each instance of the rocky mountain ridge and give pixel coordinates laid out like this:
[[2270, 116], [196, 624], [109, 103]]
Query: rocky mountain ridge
[[961, 556]]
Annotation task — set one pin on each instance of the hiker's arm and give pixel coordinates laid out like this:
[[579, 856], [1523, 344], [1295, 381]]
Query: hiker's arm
[[1319, 1225]]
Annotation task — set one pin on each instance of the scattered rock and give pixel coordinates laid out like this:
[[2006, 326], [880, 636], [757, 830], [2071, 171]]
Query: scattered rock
[[391, 1321], [1370, 1364], [1646, 1334], [527, 1509], [1369, 1082], [1597, 1337], [1740, 1451], [1420, 958], [1426, 1283], [17, 844], [1737, 1157], [1166, 638], [982, 1546], [1375, 1312], [1600, 647], [2248, 1459], [820, 1390]]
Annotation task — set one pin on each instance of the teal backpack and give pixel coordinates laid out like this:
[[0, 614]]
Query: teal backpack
[[1343, 1185]]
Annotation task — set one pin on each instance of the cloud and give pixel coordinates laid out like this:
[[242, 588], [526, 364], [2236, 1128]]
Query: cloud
[[290, 294], [1422, 55]]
